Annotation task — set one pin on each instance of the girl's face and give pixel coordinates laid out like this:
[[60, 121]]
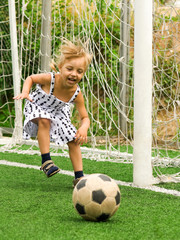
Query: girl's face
[[73, 70]]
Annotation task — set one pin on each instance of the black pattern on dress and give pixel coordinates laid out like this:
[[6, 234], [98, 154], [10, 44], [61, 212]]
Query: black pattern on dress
[[48, 106]]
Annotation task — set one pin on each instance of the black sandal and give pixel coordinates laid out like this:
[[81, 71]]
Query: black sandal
[[75, 181], [49, 168]]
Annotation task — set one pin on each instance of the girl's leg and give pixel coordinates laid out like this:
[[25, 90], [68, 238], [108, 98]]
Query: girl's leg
[[43, 135], [76, 158], [44, 144]]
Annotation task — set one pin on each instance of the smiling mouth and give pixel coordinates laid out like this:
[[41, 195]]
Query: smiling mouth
[[72, 80]]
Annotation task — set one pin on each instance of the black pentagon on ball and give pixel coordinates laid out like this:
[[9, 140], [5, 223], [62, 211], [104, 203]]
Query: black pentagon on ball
[[98, 196], [80, 209], [102, 217], [105, 178], [117, 198], [81, 184]]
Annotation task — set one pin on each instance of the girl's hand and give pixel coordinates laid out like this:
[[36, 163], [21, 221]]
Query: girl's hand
[[23, 96], [81, 135]]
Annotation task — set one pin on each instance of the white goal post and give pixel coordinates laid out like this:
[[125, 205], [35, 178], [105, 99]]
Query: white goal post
[[142, 173], [17, 134]]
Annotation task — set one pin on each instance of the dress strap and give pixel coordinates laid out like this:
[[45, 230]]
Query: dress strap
[[75, 94], [52, 83]]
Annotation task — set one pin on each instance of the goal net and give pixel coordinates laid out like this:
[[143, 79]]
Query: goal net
[[108, 86]]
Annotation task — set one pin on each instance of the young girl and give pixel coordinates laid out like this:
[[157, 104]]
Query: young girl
[[47, 109]]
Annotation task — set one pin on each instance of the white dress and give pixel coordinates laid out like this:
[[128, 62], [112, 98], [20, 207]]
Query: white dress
[[48, 106]]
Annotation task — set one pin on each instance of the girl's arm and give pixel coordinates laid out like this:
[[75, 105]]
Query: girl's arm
[[42, 79], [81, 135], [26, 89]]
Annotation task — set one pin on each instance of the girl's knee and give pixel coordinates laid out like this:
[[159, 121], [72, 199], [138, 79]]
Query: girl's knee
[[73, 145]]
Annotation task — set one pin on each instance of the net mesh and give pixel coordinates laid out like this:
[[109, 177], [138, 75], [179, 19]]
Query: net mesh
[[108, 83], [6, 82], [166, 85]]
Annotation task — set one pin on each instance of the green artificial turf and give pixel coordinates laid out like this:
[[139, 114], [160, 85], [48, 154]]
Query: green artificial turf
[[35, 207], [118, 171], [115, 170]]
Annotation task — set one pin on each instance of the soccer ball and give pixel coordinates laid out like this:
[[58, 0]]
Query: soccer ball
[[96, 197]]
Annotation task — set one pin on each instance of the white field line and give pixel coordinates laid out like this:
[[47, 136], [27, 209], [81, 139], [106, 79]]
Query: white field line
[[22, 165], [70, 173]]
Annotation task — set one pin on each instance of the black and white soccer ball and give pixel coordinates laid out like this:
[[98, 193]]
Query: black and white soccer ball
[[96, 197]]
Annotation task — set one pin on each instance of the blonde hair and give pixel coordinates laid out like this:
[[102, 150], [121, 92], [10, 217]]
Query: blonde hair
[[70, 50]]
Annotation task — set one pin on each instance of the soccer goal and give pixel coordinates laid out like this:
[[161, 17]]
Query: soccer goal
[[131, 89]]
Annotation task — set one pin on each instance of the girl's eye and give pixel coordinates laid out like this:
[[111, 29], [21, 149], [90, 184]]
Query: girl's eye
[[69, 68]]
